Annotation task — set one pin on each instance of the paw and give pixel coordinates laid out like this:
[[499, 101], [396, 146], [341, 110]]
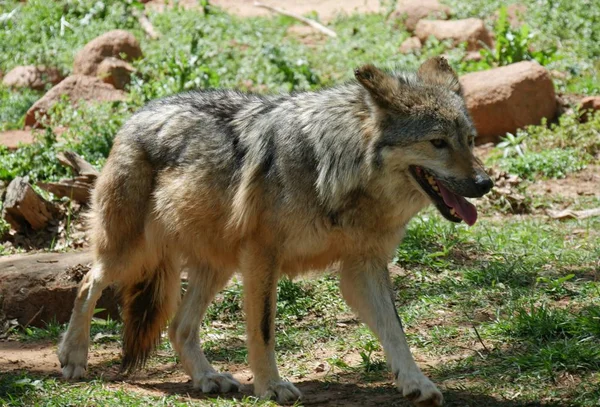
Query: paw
[[73, 361], [281, 391], [212, 382], [420, 390]]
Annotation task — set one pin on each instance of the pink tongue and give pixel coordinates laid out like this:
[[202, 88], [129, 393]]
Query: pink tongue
[[465, 209]]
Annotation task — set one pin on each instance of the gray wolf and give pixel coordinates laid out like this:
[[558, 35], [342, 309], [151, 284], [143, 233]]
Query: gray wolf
[[217, 182]]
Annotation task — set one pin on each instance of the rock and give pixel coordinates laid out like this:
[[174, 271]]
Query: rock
[[77, 88], [115, 72], [410, 45], [39, 288], [505, 99], [473, 56], [110, 44], [33, 77], [12, 138], [24, 208], [588, 105], [411, 11], [470, 30], [556, 74]]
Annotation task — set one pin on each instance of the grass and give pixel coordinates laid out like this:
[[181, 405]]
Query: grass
[[20, 390], [529, 291], [15, 105], [505, 313]]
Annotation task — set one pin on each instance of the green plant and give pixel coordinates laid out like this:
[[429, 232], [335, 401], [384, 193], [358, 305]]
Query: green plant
[[37, 160], [511, 144], [368, 363], [293, 300], [228, 307], [14, 106], [293, 73], [556, 286], [553, 163], [514, 45]]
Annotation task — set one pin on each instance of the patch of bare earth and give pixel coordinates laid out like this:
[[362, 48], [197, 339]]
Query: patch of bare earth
[[323, 387], [325, 9], [583, 183]]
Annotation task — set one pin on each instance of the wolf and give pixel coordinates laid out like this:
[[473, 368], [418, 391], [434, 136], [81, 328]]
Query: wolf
[[218, 181]]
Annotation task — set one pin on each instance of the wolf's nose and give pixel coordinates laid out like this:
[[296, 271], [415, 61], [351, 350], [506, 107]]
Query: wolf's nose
[[484, 184]]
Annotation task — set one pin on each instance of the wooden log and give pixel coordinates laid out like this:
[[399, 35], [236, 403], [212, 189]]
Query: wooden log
[[78, 189], [77, 163], [23, 207]]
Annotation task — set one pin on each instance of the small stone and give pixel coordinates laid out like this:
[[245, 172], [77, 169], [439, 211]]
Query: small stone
[[410, 45]]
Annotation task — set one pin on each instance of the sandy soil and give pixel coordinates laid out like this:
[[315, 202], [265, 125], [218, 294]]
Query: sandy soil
[[583, 183], [325, 9]]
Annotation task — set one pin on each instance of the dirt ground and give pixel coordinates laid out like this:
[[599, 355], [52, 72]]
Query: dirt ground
[[583, 183], [325, 9], [319, 389]]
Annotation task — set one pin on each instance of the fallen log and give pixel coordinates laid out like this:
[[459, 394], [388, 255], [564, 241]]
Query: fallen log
[[23, 207], [77, 163], [78, 189]]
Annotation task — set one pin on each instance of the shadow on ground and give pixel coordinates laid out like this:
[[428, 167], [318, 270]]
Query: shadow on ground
[[324, 393]]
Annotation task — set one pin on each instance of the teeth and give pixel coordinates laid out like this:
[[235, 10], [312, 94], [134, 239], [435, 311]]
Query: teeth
[[453, 212], [432, 182]]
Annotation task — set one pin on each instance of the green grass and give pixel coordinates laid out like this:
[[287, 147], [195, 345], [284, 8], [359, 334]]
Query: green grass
[[14, 106], [507, 309], [552, 151], [24, 391]]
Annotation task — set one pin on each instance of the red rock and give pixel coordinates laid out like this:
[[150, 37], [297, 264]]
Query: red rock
[[589, 105], [411, 11], [115, 72], [110, 44], [471, 30], [473, 56], [505, 99], [33, 77], [12, 138], [77, 88], [409, 45]]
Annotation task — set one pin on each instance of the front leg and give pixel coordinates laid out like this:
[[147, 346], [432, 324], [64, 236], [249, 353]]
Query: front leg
[[367, 288], [260, 274]]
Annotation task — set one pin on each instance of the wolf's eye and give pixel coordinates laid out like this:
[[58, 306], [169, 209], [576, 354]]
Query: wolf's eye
[[439, 143]]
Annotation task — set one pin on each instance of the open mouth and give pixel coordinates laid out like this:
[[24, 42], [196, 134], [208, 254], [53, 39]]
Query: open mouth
[[454, 207]]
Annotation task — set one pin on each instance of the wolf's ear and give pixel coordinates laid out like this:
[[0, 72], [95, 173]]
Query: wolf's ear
[[383, 88], [436, 71]]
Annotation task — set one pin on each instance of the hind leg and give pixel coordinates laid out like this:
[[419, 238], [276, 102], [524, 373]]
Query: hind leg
[[204, 283], [73, 348]]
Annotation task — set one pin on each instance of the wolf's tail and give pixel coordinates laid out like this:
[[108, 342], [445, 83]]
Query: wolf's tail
[[130, 246], [147, 306]]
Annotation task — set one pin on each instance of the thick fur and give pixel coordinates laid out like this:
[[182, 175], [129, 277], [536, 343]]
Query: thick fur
[[222, 181]]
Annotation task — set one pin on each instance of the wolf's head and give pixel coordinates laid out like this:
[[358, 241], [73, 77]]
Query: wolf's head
[[426, 131]]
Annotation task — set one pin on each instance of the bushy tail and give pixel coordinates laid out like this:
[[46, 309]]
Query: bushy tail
[[147, 306]]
